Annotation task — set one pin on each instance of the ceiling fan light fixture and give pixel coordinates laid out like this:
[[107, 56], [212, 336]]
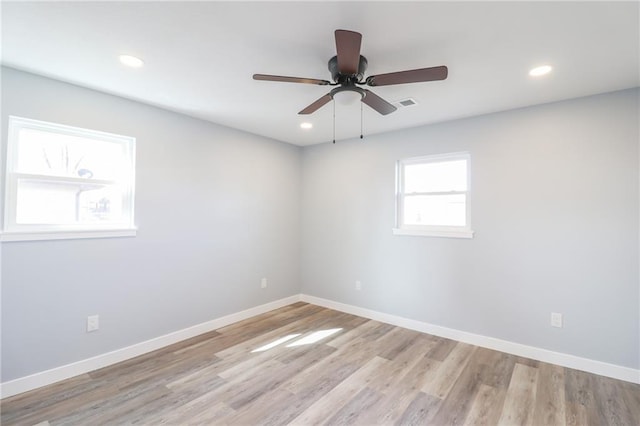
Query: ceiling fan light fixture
[[306, 125], [347, 97], [131, 61], [540, 71]]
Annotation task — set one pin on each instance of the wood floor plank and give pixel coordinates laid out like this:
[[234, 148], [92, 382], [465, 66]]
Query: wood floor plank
[[339, 395], [198, 377], [550, 401], [611, 403], [366, 373], [281, 409], [576, 414], [162, 374], [284, 410], [242, 387], [498, 367], [203, 409], [263, 382], [317, 385], [521, 396], [442, 349], [459, 400], [580, 393], [449, 371], [105, 411], [394, 372], [55, 393], [250, 400], [369, 330], [355, 407], [64, 403], [402, 392], [163, 404], [486, 407], [292, 354], [420, 411], [631, 395], [397, 341], [351, 355]]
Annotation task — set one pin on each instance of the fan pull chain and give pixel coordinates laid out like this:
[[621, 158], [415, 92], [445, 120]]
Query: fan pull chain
[[334, 121], [361, 115]]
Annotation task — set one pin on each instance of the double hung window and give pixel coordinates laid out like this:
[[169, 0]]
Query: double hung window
[[432, 197], [67, 182]]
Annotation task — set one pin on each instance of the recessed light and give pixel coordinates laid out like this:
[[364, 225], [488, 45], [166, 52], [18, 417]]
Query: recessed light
[[541, 70], [306, 125], [131, 61]]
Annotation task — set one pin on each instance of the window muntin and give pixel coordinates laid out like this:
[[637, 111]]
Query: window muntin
[[433, 195], [61, 178]]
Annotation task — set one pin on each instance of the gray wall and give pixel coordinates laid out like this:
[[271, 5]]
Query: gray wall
[[217, 210], [555, 194], [555, 211]]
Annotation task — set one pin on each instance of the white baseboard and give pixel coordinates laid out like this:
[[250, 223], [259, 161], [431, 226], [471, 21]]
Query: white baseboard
[[565, 360], [44, 378]]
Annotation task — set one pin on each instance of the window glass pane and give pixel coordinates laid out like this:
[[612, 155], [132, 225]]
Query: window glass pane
[[435, 210], [436, 177], [56, 154], [100, 205], [43, 202]]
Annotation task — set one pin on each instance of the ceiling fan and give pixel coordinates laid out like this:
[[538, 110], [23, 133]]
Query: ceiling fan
[[347, 71]]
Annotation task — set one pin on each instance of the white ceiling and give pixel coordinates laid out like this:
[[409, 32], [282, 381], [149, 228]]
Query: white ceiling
[[200, 56]]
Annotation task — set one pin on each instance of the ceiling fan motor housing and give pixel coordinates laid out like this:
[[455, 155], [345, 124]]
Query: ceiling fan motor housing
[[346, 79]]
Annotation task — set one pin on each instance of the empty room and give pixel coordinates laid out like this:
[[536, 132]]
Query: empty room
[[372, 213]]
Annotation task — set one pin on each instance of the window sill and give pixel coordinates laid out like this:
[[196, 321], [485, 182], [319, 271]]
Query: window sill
[[433, 233], [66, 235]]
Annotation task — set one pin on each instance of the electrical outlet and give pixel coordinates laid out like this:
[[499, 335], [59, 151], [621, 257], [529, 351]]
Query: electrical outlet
[[263, 283], [358, 285], [556, 320], [93, 323]]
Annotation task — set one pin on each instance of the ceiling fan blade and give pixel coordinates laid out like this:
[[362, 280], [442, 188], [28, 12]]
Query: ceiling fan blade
[[411, 76], [316, 105], [266, 77], [348, 49], [377, 103]]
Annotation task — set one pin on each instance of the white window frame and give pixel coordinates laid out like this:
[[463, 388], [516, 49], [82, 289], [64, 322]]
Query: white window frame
[[432, 231], [13, 231]]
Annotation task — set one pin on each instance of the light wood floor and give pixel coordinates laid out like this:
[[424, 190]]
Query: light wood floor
[[366, 372]]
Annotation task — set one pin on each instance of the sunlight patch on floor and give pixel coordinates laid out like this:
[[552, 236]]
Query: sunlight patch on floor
[[276, 343], [314, 337]]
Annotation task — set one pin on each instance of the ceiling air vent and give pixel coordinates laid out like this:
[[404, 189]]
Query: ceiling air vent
[[406, 102]]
